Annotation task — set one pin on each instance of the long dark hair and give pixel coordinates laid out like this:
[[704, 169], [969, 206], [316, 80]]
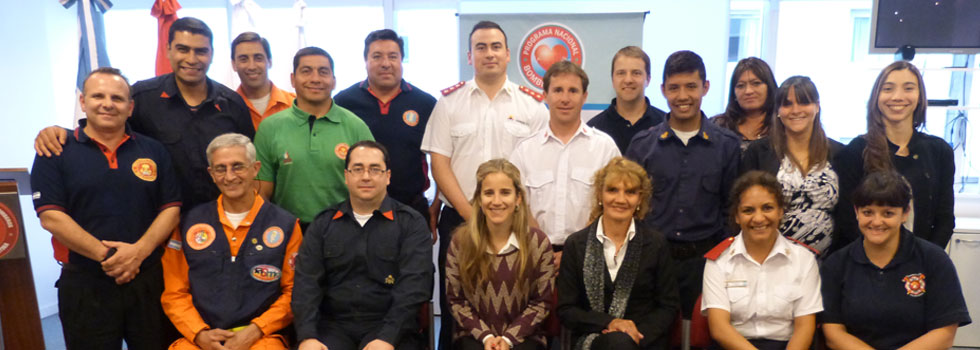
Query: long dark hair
[[805, 92], [877, 157], [734, 113]]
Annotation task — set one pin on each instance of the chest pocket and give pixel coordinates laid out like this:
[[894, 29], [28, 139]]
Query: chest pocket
[[384, 267], [738, 299], [782, 306], [517, 128], [462, 130], [581, 185], [536, 184], [711, 182]]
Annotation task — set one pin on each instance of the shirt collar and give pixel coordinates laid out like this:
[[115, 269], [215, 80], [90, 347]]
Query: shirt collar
[[707, 132], [507, 89], [904, 253], [404, 85], [386, 209], [82, 137], [600, 234], [252, 212], [781, 247], [612, 112], [547, 134], [171, 91], [512, 245], [300, 117]]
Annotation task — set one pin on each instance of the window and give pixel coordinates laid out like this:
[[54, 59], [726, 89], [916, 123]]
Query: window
[[860, 40]]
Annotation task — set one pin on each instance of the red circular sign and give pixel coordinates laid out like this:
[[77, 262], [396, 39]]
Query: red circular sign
[[545, 45], [9, 230]]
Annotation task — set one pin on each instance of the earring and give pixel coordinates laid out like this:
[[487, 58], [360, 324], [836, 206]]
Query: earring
[[599, 202], [637, 209]]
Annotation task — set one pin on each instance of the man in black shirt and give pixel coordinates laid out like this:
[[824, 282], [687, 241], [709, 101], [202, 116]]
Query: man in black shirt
[[630, 112], [184, 110], [364, 268]]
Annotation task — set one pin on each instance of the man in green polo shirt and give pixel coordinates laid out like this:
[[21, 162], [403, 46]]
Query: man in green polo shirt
[[302, 149]]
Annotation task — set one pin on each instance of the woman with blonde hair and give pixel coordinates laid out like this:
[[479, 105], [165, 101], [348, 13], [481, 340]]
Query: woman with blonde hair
[[616, 288], [499, 270]]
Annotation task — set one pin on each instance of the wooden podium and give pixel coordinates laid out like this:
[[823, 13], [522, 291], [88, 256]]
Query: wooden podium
[[20, 322]]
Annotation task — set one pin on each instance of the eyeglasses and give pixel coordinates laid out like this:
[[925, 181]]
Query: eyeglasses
[[374, 172], [237, 168]]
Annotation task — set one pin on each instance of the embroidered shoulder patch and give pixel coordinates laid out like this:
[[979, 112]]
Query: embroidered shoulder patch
[[174, 244]]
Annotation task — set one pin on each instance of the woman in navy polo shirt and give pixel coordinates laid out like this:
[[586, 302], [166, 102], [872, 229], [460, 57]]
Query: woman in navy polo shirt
[[875, 290]]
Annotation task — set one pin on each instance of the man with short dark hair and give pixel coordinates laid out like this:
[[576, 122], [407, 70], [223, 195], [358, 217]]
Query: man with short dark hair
[[397, 113], [692, 164], [475, 121], [558, 163], [238, 245], [364, 268], [302, 149], [111, 197], [630, 112], [184, 110], [251, 59]]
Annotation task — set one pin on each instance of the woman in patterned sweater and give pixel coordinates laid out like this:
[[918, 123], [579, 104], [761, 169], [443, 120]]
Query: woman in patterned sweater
[[499, 271]]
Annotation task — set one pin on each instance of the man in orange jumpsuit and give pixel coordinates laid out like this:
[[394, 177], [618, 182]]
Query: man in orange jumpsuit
[[228, 271]]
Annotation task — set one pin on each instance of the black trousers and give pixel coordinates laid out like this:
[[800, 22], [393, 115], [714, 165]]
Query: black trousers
[[689, 264], [449, 220], [354, 336], [614, 341], [96, 313], [468, 343]]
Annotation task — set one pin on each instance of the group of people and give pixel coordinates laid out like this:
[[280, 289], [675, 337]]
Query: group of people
[[191, 216]]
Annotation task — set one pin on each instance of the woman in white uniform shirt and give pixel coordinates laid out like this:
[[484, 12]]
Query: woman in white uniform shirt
[[761, 290]]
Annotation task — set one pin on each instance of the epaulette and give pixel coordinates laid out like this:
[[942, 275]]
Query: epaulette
[[145, 85], [814, 251], [715, 252], [534, 94], [449, 90]]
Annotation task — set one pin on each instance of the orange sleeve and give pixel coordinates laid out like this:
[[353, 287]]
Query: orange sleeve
[[176, 299], [280, 314]]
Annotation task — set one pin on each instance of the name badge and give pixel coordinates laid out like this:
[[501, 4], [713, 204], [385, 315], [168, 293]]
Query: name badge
[[736, 284]]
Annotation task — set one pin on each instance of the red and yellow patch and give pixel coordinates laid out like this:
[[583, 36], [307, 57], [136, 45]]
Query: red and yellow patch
[[273, 237], [199, 236], [145, 169], [410, 117], [915, 284], [341, 150], [9, 230]]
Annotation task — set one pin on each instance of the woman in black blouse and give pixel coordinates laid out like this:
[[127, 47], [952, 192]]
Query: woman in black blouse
[[798, 153], [616, 284], [896, 112], [751, 101]]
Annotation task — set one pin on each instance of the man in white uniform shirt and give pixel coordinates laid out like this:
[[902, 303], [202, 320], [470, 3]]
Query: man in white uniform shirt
[[558, 162], [475, 121]]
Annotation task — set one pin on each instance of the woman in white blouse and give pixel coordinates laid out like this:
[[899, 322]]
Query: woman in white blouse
[[761, 290]]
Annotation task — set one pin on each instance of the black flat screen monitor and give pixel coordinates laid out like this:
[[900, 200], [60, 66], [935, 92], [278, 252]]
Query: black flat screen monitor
[[930, 26]]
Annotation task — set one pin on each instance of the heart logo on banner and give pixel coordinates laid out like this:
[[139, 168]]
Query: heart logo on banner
[[548, 55]]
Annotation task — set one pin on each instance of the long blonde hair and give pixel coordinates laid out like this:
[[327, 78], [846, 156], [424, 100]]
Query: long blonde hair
[[473, 237], [628, 171]]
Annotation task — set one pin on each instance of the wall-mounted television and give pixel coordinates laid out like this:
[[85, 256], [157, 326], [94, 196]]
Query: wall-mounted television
[[930, 26]]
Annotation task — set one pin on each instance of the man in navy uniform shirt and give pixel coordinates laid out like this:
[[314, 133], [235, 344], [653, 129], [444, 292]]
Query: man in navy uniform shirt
[[630, 112], [692, 164], [184, 110], [396, 112], [365, 266], [111, 197]]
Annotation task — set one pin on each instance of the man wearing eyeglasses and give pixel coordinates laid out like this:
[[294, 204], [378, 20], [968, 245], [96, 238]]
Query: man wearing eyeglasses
[[228, 271], [365, 267], [302, 149]]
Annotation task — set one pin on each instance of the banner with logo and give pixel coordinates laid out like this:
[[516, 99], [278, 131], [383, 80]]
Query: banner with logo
[[538, 40], [11, 235]]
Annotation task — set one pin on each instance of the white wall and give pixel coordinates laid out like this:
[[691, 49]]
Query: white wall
[[38, 69]]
